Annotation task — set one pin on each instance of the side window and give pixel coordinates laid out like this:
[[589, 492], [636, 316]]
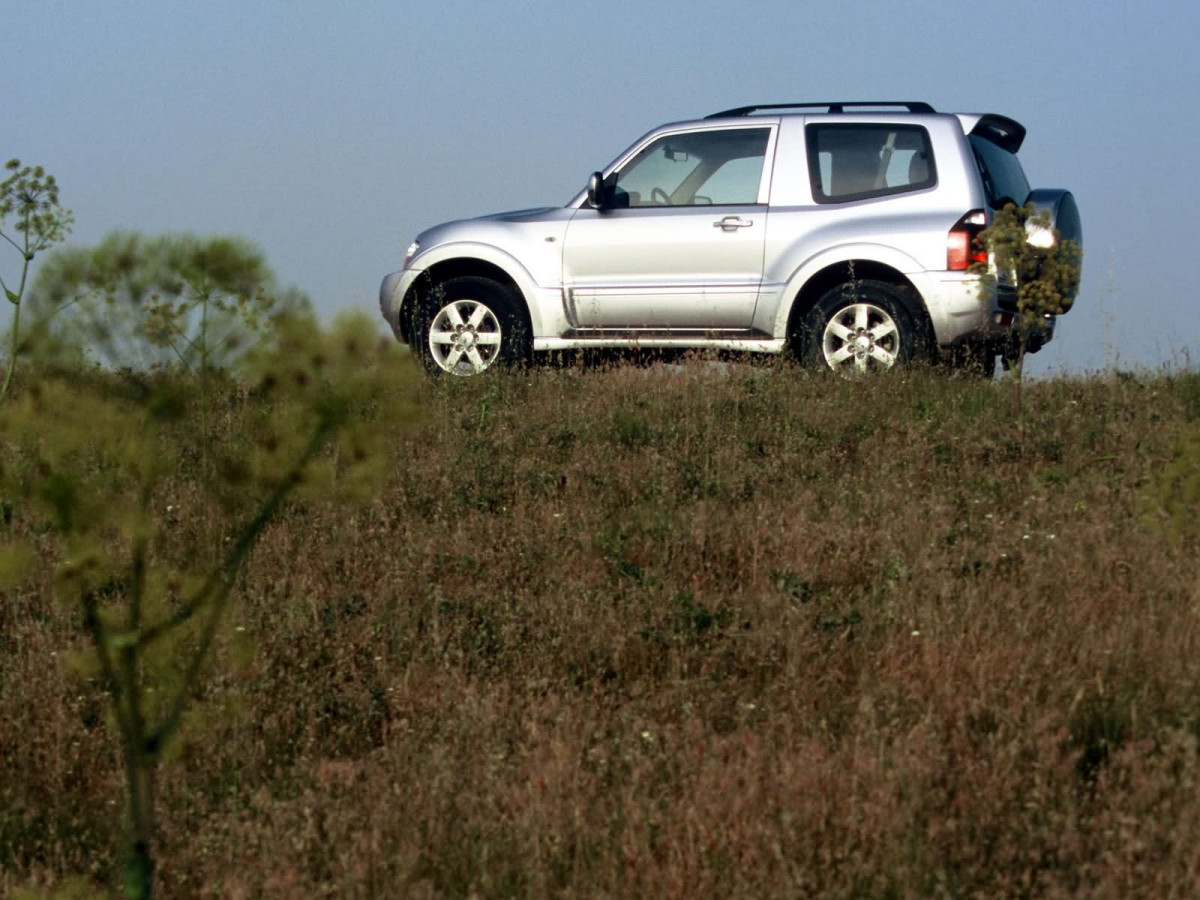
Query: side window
[[857, 162], [657, 171], [695, 168], [735, 181]]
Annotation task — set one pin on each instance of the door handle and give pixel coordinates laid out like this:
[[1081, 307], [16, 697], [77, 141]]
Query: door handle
[[733, 223]]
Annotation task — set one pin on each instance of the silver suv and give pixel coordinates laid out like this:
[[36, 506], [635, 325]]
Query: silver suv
[[843, 232]]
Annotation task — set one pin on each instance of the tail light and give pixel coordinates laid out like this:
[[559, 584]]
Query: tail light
[[960, 242]]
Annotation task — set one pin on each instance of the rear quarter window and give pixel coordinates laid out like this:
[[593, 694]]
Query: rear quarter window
[[858, 162]]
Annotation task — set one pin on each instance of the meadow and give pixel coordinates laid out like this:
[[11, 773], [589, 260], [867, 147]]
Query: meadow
[[699, 630]]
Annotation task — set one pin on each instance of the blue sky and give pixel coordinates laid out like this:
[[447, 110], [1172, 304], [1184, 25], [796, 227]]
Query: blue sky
[[331, 134]]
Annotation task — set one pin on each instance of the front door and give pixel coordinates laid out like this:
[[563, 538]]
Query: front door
[[681, 244]]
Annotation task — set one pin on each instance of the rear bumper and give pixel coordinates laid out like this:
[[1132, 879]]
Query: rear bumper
[[962, 311]]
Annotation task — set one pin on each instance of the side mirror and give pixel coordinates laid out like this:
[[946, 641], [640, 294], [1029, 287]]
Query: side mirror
[[595, 191]]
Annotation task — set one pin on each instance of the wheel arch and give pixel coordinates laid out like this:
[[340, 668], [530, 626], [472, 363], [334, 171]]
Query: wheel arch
[[465, 265], [815, 285]]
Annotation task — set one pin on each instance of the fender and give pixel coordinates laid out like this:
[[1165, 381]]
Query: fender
[[469, 250], [774, 316]]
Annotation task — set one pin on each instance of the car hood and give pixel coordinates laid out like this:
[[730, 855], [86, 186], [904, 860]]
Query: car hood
[[535, 214], [498, 228], [523, 215]]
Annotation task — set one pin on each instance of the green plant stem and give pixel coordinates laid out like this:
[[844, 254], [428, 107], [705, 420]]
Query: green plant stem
[[141, 764], [124, 678], [123, 690], [12, 351], [16, 323], [142, 747]]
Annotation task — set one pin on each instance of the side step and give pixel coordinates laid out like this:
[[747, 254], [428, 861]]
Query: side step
[[742, 339]]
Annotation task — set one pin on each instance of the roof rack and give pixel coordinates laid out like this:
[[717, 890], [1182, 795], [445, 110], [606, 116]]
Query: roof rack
[[915, 106]]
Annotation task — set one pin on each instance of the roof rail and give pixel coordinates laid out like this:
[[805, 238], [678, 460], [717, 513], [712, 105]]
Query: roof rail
[[915, 106]]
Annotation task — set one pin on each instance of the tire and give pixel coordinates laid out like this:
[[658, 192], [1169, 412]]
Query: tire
[[863, 326], [468, 325]]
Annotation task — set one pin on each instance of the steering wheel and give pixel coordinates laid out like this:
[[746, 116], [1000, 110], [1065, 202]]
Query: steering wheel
[[659, 197]]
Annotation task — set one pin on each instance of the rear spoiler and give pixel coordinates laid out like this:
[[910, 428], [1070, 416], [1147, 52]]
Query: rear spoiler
[[1005, 133]]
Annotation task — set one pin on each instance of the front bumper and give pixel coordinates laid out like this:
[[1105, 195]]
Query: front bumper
[[391, 298]]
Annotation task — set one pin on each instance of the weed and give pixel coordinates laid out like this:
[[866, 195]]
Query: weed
[[842, 657]]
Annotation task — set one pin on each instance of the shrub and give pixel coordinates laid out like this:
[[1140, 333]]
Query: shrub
[[90, 461]]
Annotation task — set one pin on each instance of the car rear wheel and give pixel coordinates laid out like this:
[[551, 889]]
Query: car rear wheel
[[864, 326], [468, 325]]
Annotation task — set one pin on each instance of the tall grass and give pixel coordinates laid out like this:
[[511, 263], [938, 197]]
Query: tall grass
[[670, 631]]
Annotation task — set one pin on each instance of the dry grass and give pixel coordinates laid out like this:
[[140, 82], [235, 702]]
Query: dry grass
[[669, 632]]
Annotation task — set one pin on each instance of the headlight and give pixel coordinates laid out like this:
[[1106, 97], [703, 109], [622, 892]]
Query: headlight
[[411, 252]]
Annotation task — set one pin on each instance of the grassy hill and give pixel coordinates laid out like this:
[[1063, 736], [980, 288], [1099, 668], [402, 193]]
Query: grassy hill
[[670, 631]]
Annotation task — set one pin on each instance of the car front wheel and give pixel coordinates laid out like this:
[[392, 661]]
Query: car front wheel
[[863, 326], [468, 325]]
